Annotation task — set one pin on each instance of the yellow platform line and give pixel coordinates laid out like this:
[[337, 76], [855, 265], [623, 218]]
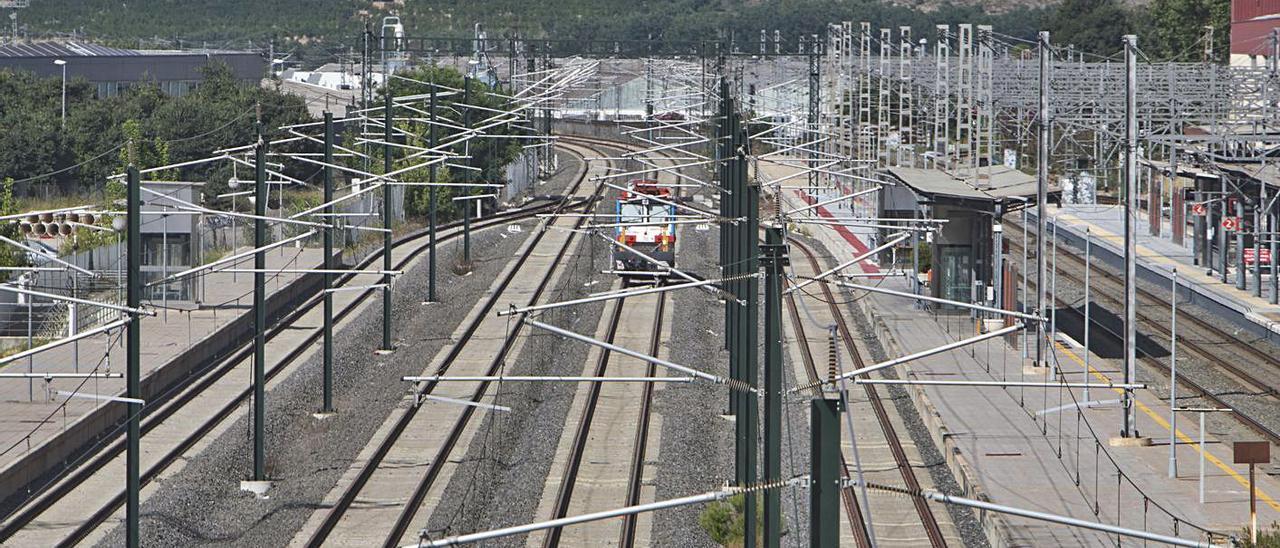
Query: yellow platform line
[[1160, 420]]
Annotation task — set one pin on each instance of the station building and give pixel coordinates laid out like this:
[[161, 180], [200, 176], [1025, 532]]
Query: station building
[[114, 70], [171, 243]]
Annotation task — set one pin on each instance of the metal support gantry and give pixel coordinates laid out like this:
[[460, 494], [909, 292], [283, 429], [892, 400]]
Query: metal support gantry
[[387, 163], [133, 364]]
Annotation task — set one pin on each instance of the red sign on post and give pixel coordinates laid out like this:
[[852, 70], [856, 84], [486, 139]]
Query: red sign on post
[[1198, 209], [1230, 223], [1265, 255]]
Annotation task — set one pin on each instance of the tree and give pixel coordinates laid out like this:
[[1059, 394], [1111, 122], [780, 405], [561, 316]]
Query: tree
[[1177, 28], [1093, 26], [10, 256], [148, 153], [492, 155]]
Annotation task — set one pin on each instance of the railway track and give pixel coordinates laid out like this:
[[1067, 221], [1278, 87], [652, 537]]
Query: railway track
[[1208, 346], [94, 483], [387, 510], [609, 415], [924, 514]]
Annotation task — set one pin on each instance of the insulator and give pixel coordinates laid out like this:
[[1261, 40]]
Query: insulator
[[833, 356]]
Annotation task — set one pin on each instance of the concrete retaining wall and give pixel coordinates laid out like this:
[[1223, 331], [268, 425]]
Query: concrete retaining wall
[[591, 128], [1235, 312]]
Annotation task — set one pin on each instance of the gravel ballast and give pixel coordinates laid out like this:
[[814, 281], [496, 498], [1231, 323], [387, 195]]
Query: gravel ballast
[[696, 450], [501, 476], [1192, 366], [203, 502]]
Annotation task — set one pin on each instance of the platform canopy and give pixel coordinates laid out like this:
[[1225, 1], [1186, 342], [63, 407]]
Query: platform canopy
[[1266, 173], [988, 184]]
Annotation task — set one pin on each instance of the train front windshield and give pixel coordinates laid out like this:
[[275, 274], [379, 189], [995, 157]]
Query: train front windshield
[[649, 221], [637, 212]]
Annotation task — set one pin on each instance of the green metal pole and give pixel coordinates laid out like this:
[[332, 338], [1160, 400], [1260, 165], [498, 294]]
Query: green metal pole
[[259, 308], [726, 205], [735, 251], [327, 407], [466, 204], [386, 222], [824, 473], [774, 262], [749, 366], [431, 210], [133, 365]]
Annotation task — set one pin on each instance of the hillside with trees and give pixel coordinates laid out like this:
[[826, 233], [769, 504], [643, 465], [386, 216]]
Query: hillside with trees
[[316, 30]]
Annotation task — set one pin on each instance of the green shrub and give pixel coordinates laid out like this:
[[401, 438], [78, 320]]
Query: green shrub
[[723, 520]]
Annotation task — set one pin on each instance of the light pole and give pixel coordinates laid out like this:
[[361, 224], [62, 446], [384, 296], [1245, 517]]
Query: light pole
[[1173, 375], [63, 64]]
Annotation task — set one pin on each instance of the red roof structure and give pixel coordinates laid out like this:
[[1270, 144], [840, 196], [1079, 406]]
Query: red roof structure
[[1251, 24]]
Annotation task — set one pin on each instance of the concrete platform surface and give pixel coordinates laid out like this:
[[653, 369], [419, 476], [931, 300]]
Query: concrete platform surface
[[1012, 447]]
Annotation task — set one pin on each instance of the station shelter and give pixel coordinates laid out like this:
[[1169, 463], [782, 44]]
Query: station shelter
[[970, 205]]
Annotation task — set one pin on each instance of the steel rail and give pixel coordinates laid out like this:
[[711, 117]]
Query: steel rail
[[927, 519], [433, 471], [628, 537], [561, 507], [583, 432], [857, 522]]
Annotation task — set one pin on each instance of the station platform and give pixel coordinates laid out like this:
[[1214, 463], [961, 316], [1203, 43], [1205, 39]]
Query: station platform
[[1041, 449], [1159, 255], [36, 422]]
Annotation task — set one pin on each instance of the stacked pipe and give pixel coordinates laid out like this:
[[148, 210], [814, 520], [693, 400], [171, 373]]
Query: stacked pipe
[[56, 224]]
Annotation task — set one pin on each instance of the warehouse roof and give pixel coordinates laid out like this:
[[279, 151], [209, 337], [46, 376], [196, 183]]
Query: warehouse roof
[[60, 50]]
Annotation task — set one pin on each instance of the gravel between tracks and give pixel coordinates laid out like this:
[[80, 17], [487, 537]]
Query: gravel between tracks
[[500, 479], [795, 451], [696, 449], [203, 502], [943, 480]]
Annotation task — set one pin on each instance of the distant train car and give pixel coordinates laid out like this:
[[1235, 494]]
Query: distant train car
[[650, 229]]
